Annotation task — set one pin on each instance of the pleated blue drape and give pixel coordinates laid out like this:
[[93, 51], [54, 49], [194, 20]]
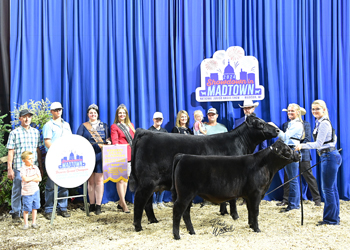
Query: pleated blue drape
[[146, 54]]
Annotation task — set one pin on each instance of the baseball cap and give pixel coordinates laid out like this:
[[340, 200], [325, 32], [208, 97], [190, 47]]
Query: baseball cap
[[158, 115], [212, 110], [24, 112], [56, 105]]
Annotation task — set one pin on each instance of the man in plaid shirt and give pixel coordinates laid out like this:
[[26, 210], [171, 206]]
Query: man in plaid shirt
[[23, 138]]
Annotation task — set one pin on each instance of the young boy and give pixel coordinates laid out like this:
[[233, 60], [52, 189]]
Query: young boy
[[31, 177]]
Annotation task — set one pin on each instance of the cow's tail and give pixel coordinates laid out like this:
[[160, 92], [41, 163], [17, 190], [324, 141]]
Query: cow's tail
[[133, 181], [176, 160]]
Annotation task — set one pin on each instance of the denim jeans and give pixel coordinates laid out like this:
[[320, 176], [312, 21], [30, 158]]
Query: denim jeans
[[330, 163], [49, 197], [158, 197], [16, 203], [294, 190]]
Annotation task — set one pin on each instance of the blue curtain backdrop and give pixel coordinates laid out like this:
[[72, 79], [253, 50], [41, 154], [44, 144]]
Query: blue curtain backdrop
[[146, 54]]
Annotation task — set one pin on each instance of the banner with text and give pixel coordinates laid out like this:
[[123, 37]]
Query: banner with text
[[115, 163], [230, 76]]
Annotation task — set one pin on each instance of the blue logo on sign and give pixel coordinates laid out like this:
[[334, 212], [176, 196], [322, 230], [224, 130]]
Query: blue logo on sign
[[73, 162]]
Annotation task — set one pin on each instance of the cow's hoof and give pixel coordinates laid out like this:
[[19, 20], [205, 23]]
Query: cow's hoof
[[257, 230], [192, 232], [138, 229], [223, 212], [235, 216], [153, 221], [176, 237]]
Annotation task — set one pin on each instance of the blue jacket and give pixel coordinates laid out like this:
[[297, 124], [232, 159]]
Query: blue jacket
[[305, 153], [261, 146]]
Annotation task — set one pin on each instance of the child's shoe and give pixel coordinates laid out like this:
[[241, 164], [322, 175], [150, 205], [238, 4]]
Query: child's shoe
[[25, 227], [35, 226]]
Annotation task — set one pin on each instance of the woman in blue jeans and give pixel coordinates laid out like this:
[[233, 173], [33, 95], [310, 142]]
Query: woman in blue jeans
[[292, 136], [325, 142]]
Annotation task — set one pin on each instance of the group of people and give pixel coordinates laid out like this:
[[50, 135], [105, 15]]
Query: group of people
[[24, 156]]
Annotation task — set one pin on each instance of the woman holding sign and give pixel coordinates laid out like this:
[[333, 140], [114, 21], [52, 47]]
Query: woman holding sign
[[122, 132], [97, 133]]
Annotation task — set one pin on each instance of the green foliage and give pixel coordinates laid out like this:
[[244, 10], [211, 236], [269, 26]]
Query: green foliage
[[41, 113], [5, 187], [4, 128]]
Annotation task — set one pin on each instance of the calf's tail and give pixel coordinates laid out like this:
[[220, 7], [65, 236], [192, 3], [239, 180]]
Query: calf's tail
[[133, 181], [176, 160]]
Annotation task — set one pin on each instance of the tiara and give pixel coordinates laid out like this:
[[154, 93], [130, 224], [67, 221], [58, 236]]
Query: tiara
[[93, 106], [121, 106]]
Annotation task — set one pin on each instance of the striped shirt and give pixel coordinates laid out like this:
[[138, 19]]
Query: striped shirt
[[30, 187], [21, 140]]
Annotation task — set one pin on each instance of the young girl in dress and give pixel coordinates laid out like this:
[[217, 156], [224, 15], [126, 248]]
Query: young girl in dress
[[198, 127]]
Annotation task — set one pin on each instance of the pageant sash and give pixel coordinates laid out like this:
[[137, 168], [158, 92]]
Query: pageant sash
[[97, 137], [124, 129]]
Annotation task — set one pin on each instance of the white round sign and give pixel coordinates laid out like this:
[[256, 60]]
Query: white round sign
[[70, 161]]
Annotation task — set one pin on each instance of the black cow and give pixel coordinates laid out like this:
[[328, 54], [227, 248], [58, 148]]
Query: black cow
[[153, 154], [221, 178]]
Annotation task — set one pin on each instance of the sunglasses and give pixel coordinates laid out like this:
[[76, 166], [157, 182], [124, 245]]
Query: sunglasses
[[56, 110]]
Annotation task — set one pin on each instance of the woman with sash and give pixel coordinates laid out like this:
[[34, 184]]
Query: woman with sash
[[182, 123], [325, 143], [98, 134], [122, 132]]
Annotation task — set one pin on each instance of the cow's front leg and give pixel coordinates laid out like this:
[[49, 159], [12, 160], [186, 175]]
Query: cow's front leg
[[253, 212], [233, 209], [223, 209], [187, 219]]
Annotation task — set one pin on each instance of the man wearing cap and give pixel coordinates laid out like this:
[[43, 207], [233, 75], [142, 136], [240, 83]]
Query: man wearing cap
[[157, 122], [248, 109], [304, 165], [23, 138], [156, 127], [54, 129], [213, 127]]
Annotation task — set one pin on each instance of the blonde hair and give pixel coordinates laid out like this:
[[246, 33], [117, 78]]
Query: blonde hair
[[25, 155], [298, 109], [324, 106], [127, 119], [178, 117], [197, 112]]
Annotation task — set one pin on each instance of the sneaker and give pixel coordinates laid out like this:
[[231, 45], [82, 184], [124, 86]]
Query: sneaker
[[25, 227], [48, 216], [35, 226], [154, 205], [64, 214], [161, 205], [16, 218], [317, 203]]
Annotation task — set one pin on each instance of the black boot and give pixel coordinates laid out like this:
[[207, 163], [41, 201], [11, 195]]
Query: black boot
[[98, 209], [92, 208]]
